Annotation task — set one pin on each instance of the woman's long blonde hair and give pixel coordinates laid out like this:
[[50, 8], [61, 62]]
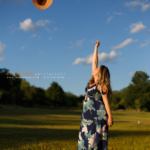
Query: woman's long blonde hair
[[103, 79]]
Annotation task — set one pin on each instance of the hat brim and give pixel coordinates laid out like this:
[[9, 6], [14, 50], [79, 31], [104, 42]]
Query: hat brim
[[47, 4]]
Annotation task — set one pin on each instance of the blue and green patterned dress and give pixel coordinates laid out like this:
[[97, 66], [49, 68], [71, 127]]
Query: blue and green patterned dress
[[93, 133]]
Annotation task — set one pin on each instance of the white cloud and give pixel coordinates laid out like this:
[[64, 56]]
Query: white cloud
[[131, 73], [144, 5], [132, 3], [136, 27], [117, 13], [101, 57], [79, 42], [110, 18], [144, 44], [107, 57], [2, 47], [1, 58], [124, 43], [42, 23], [13, 28], [27, 25]]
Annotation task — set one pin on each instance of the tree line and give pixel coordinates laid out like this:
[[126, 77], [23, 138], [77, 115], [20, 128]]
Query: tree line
[[18, 91], [135, 96]]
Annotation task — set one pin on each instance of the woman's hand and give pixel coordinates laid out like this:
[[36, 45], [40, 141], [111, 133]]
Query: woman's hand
[[97, 43], [110, 121]]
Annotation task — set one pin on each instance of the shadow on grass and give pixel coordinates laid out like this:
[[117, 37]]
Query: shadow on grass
[[15, 137], [19, 111], [116, 133], [57, 122], [39, 122]]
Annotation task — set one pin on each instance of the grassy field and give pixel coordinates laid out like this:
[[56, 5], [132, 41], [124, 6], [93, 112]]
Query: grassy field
[[57, 129]]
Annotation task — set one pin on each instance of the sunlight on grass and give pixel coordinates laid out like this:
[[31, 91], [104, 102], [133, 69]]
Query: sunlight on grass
[[57, 129]]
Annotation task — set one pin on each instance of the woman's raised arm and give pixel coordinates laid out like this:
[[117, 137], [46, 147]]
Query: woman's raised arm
[[95, 56]]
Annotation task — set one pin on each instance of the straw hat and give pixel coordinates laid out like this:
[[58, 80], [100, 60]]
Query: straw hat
[[42, 4]]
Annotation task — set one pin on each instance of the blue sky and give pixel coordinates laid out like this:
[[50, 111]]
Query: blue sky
[[57, 44]]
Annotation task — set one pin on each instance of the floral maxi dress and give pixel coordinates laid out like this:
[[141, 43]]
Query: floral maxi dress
[[93, 132]]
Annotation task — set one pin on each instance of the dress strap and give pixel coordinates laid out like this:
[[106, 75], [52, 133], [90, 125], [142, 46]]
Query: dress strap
[[101, 89]]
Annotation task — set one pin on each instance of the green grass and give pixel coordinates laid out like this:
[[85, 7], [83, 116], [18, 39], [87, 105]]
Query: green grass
[[57, 129]]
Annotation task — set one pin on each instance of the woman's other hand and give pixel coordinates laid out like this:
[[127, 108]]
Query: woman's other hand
[[97, 43], [110, 121]]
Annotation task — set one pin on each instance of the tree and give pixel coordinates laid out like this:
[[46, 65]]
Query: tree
[[137, 95], [39, 97], [55, 95], [71, 99], [115, 100], [5, 83], [9, 87], [140, 77], [130, 96], [28, 93]]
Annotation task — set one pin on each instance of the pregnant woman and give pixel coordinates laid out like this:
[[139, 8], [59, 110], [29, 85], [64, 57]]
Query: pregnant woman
[[96, 114]]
